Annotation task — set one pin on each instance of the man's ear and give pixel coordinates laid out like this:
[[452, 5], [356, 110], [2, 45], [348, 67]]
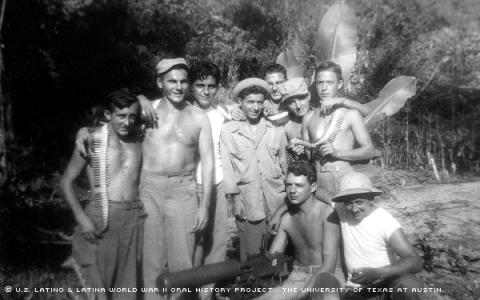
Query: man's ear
[[159, 82], [313, 187], [107, 114], [340, 84]]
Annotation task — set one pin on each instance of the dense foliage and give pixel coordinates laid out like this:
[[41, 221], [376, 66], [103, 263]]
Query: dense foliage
[[62, 56]]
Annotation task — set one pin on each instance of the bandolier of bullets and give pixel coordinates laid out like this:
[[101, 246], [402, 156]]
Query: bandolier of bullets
[[331, 136], [99, 163]]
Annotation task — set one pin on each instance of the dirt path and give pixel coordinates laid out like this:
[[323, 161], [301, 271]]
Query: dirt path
[[444, 221]]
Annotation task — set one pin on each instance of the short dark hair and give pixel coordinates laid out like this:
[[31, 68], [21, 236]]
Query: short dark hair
[[276, 68], [331, 66], [255, 89], [304, 168], [120, 98], [202, 69]]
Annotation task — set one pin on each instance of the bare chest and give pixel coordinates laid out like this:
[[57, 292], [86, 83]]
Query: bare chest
[[124, 161], [174, 130], [293, 130], [318, 126], [306, 233]]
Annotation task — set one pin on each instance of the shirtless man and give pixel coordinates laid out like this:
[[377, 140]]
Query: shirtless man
[[337, 130], [167, 186], [297, 101], [167, 183], [105, 241], [313, 228]]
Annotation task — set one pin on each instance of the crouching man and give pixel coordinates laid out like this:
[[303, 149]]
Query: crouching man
[[109, 228], [313, 228], [371, 236]]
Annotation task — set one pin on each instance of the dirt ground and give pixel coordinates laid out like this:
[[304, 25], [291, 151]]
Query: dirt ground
[[443, 220]]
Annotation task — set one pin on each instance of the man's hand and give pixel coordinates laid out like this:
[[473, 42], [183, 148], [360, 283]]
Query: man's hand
[[297, 149], [274, 222], [88, 230], [149, 115], [328, 149], [239, 207], [83, 142], [367, 276], [236, 113], [201, 220], [267, 111], [328, 104]]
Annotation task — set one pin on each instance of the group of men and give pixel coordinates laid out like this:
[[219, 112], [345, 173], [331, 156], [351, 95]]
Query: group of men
[[169, 185]]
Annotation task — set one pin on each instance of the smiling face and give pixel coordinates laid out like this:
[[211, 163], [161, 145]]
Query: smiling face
[[122, 120], [359, 206], [252, 106], [204, 91], [174, 84], [327, 84], [275, 82], [298, 105], [298, 188]]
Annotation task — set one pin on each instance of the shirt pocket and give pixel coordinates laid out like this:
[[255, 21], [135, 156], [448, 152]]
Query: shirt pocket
[[275, 169]]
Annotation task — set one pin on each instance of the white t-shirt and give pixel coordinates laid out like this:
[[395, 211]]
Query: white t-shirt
[[217, 117], [366, 242]]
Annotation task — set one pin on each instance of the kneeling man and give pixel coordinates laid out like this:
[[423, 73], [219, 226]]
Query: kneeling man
[[371, 237], [312, 226]]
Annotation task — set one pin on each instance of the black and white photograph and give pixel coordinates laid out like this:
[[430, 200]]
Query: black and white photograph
[[239, 149]]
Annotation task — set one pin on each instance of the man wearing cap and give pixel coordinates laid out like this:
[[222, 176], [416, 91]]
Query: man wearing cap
[[371, 237], [254, 164], [339, 132], [313, 228], [167, 187], [297, 101]]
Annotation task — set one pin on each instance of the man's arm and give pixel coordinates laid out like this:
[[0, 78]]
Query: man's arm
[[409, 262], [305, 135], [279, 242], [149, 115], [75, 166], [332, 103], [83, 142], [282, 152], [365, 149], [229, 177], [331, 241], [205, 146]]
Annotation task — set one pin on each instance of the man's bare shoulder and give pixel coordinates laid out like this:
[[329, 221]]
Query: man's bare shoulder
[[351, 113], [309, 115]]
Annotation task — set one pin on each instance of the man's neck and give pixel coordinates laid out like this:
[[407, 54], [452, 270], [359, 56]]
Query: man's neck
[[254, 122], [175, 105], [307, 206], [115, 138], [204, 108], [296, 119], [275, 102]]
